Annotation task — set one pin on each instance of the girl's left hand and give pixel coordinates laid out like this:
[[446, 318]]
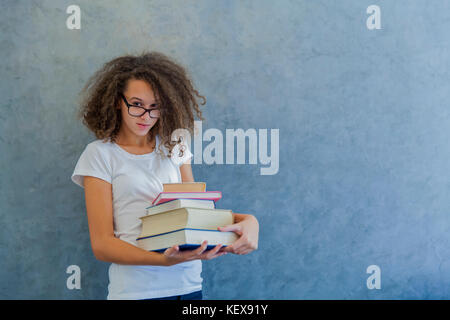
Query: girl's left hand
[[246, 226]]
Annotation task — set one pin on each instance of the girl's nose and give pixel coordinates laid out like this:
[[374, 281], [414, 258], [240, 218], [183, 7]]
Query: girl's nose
[[146, 116]]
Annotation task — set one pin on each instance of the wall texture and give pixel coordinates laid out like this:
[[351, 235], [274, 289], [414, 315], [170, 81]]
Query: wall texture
[[364, 125]]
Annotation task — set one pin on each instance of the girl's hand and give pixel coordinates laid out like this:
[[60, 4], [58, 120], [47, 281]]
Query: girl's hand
[[174, 255], [246, 226]]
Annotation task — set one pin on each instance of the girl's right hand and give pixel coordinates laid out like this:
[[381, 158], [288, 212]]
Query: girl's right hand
[[174, 255]]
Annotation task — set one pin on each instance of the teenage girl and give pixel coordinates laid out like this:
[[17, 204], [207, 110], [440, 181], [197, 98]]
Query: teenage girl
[[132, 105]]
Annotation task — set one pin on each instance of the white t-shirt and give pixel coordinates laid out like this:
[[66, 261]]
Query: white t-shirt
[[137, 180]]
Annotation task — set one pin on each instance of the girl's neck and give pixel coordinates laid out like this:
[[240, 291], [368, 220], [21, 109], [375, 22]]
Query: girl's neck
[[135, 142]]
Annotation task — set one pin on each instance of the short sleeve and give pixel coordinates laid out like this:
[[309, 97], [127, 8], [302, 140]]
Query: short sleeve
[[92, 162], [187, 154]]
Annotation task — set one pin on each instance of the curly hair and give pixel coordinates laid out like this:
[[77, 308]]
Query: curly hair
[[169, 81]]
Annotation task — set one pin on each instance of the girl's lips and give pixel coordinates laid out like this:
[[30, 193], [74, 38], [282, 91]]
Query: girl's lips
[[143, 126]]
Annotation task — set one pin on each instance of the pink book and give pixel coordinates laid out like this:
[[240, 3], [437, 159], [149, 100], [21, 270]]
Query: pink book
[[168, 196]]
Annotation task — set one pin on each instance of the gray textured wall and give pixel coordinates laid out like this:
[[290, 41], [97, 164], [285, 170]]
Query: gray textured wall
[[364, 126]]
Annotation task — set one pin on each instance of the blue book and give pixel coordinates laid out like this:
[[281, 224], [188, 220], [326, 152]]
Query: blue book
[[188, 247]]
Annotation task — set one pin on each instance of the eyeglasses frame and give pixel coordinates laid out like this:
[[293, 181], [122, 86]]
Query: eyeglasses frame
[[146, 110]]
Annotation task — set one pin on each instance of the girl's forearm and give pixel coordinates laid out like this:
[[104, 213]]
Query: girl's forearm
[[114, 250]]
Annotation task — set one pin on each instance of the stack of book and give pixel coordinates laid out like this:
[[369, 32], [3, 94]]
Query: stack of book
[[185, 214]]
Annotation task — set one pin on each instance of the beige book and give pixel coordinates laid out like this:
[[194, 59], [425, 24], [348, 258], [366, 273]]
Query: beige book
[[195, 218], [184, 187]]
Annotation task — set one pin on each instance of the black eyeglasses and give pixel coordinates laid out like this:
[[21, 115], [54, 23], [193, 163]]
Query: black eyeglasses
[[138, 111]]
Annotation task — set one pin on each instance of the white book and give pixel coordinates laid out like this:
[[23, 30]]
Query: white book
[[180, 203]]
